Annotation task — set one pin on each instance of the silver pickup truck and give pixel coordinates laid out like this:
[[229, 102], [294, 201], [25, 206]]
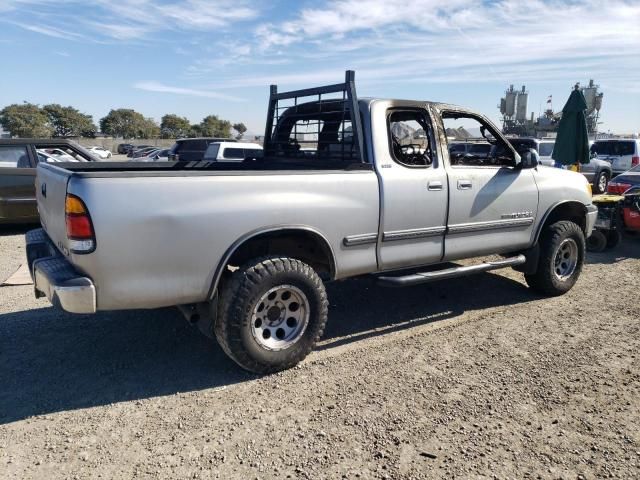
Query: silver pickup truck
[[345, 187]]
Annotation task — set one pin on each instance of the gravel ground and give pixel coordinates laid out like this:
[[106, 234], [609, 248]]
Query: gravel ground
[[474, 377]]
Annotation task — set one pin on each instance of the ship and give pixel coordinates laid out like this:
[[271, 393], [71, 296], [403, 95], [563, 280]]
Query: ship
[[515, 121]]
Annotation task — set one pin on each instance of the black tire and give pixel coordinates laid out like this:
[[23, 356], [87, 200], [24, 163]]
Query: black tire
[[560, 235], [234, 328], [614, 239], [597, 242], [600, 182]]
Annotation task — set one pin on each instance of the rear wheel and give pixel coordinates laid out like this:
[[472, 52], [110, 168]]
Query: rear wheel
[[614, 239], [562, 248], [597, 242], [600, 183], [271, 314]]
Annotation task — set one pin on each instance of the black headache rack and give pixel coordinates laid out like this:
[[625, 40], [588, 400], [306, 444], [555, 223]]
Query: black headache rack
[[315, 127]]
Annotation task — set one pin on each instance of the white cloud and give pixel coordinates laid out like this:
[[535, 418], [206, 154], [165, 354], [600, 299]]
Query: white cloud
[[436, 39], [129, 19], [50, 31], [152, 86]]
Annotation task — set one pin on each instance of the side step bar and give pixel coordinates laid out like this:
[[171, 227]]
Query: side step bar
[[425, 277]]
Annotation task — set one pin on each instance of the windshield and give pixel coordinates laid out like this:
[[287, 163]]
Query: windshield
[[613, 148], [545, 149]]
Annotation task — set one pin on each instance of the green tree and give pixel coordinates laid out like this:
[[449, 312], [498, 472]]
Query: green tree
[[127, 123], [195, 131], [69, 122], [148, 128], [26, 120], [240, 128], [212, 126], [173, 126]]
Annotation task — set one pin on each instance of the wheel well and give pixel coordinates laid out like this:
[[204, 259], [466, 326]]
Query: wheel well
[[573, 211], [305, 245]]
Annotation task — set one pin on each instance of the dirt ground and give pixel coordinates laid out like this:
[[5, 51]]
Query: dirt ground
[[470, 378]]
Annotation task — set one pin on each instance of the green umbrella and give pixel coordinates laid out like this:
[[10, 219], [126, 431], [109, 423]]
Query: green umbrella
[[572, 140]]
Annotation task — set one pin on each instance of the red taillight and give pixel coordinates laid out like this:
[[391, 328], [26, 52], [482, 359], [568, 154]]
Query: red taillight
[[79, 227], [618, 188], [635, 160]]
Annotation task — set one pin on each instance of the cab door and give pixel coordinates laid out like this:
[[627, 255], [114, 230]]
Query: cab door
[[17, 191], [493, 202], [413, 187]]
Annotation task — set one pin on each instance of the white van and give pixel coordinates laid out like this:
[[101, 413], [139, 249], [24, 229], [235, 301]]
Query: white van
[[231, 151], [622, 153]]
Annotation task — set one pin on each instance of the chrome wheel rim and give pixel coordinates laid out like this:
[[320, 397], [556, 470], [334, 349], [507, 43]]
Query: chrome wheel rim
[[566, 259], [280, 317], [602, 184]]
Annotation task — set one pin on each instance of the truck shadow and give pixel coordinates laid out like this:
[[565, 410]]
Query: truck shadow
[[17, 229], [52, 361]]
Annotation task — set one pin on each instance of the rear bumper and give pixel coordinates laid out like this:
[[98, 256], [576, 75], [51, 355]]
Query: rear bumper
[[592, 215], [55, 278]]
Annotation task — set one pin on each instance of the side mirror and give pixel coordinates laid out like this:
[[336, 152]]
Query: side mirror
[[526, 159], [529, 159]]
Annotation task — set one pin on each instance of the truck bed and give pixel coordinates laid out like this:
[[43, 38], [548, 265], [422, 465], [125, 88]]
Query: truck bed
[[177, 222]]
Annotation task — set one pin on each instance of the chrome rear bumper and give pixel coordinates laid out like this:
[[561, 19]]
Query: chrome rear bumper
[[55, 278]]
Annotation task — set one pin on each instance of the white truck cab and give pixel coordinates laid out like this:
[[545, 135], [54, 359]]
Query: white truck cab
[[231, 151]]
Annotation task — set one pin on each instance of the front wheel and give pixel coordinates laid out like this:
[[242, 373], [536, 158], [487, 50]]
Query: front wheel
[[272, 312], [601, 182], [562, 248]]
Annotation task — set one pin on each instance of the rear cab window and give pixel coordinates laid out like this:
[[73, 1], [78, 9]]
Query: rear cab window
[[14, 157], [59, 153], [410, 137]]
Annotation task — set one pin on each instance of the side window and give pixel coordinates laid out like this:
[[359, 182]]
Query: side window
[[212, 151], [234, 153], [410, 138], [14, 157], [253, 153], [472, 142]]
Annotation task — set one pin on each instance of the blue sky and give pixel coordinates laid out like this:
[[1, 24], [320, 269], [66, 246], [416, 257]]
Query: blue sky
[[198, 57]]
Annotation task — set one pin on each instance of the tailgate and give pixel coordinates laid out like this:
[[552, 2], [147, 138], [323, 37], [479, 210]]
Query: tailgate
[[51, 192]]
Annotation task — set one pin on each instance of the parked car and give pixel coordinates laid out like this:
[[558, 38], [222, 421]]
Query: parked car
[[143, 152], [154, 156], [597, 172], [44, 155], [621, 153], [244, 249], [192, 149], [124, 147], [18, 159], [58, 153], [231, 151], [135, 148], [100, 152], [545, 149], [625, 181]]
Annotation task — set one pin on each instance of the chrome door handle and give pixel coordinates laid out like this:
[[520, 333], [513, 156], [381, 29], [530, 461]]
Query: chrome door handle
[[464, 185], [435, 185]]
